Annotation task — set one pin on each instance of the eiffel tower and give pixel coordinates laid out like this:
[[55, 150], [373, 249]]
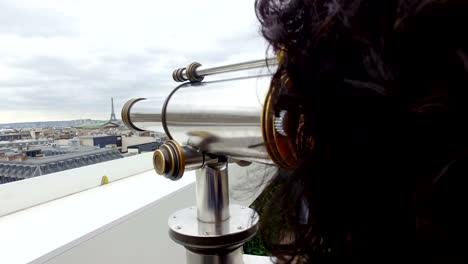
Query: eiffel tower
[[112, 117]]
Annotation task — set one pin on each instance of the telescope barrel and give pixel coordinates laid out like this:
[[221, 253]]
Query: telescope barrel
[[222, 117], [234, 118]]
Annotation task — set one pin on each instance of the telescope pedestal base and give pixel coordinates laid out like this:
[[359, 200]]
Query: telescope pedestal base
[[234, 257], [216, 243]]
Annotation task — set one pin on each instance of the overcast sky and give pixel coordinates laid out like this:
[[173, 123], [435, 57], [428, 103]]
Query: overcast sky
[[64, 59]]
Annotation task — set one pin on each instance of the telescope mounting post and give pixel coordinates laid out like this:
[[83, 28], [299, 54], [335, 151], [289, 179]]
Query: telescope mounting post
[[215, 231]]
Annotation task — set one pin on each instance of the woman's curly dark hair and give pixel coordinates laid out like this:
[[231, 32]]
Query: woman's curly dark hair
[[381, 88]]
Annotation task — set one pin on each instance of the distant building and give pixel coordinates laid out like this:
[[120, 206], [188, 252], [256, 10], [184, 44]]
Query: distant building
[[35, 134], [7, 130], [112, 124], [14, 136], [3, 150], [101, 141], [74, 142], [146, 147], [90, 125], [10, 137], [33, 163], [133, 141], [64, 135], [24, 143]]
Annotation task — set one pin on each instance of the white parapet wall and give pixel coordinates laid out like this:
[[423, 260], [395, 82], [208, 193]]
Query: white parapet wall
[[124, 221], [121, 222], [140, 237]]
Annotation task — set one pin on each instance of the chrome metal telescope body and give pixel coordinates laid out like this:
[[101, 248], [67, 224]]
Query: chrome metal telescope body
[[220, 117], [210, 124], [231, 117]]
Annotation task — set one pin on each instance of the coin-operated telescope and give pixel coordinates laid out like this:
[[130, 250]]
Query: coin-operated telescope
[[211, 124]]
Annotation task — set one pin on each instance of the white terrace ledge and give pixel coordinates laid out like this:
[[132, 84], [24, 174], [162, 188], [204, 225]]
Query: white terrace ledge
[[124, 221]]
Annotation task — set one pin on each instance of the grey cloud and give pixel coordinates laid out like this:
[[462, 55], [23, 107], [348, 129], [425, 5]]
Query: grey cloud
[[69, 86], [58, 84], [29, 22], [85, 72], [223, 48], [54, 67]]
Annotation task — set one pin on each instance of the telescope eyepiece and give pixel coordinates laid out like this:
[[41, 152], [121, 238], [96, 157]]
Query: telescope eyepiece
[[171, 160], [160, 158]]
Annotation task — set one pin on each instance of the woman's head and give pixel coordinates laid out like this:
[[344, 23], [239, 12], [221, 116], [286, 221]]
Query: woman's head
[[376, 99]]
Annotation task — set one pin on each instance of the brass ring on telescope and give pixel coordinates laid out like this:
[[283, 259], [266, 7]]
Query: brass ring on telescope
[[188, 72], [164, 109], [191, 72], [177, 75], [168, 157], [126, 113], [180, 160], [277, 146], [174, 170], [159, 162]]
